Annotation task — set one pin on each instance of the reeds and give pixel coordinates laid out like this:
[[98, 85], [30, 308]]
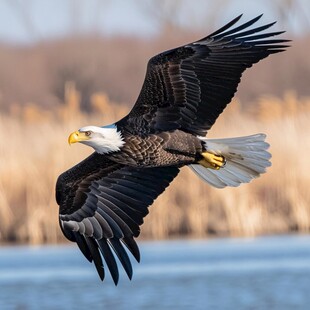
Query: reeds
[[34, 151]]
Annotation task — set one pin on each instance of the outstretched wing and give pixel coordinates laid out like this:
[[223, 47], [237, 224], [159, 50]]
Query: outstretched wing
[[102, 204], [188, 87]]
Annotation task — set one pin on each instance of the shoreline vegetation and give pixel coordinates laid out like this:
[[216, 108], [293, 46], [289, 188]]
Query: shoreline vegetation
[[34, 151]]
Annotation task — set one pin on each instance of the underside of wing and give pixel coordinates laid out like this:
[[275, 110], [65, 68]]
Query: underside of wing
[[188, 87], [102, 205]]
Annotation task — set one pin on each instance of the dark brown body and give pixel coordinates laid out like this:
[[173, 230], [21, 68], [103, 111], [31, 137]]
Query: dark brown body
[[174, 148]]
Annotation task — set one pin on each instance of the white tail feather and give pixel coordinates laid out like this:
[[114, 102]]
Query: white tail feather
[[246, 158]]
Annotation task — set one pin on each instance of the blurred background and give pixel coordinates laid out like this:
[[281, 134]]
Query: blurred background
[[68, 63]]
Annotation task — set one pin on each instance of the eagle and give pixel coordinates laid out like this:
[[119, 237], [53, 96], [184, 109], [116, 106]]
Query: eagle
[[104, 199]]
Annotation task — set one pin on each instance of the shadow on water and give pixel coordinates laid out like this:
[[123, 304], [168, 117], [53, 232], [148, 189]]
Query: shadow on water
[[260, 273]]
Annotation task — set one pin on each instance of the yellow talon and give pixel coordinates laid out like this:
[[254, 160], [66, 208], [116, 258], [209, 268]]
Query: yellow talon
[[212, 161]]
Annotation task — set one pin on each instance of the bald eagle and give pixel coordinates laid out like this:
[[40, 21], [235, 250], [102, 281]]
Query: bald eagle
[[103, 199]]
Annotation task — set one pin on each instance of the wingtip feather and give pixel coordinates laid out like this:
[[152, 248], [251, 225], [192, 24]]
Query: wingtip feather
[[225, 27], [109, 259], [122, 256]]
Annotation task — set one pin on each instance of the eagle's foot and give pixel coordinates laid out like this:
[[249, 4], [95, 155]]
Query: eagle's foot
[[212, 161]]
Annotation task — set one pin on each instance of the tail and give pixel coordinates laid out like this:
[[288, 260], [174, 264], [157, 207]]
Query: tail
[[246, 158]]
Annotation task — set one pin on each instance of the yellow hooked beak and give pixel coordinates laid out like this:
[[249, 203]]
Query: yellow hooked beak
[[77, 137]]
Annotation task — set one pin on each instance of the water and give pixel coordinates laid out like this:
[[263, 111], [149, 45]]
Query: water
[[262, 273]]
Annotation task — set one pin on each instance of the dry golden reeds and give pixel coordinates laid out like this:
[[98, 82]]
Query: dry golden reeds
[[34, 151]]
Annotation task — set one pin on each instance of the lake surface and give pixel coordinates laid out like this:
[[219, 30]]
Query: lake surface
[[260, 273]]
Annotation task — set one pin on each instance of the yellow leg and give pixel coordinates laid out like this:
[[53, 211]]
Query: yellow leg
[[212, 161]]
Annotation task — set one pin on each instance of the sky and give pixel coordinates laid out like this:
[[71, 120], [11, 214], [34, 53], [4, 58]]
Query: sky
[[28, 21]]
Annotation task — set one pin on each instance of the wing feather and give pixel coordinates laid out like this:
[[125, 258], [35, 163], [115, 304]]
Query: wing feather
[[188, 87], [81, 242], [109, 259], [122, 255], [102, 204], [93, 248]]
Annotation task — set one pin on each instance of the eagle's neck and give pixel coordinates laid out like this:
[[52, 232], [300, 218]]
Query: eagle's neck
[[112, 140]]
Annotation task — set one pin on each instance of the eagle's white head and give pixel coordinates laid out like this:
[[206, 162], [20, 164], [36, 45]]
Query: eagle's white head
[[103, 140]]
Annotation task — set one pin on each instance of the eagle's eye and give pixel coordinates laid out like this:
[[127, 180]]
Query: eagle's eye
[[87, 133]]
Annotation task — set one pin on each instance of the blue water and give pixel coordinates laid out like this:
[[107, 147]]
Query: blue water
[[261, 273]]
